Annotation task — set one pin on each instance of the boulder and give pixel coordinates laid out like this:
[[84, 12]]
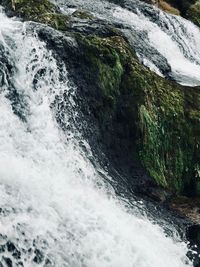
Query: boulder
[[141, 115]]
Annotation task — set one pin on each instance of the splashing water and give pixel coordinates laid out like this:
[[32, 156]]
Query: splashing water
[[54, 208], [176, 39], [167, 44]]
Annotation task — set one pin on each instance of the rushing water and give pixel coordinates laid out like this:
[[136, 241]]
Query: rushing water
[[176, 39], [167, 44], [55, 210]]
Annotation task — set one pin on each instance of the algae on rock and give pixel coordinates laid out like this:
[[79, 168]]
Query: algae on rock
[[82, 14], [39, 11], [163, 116], [194, 13], [159, 118]]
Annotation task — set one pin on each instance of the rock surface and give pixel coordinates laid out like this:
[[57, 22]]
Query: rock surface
[[189, 9], [36, 10], [158, 117], [164, 5], [141, 116], [193, 13], [148, 123]]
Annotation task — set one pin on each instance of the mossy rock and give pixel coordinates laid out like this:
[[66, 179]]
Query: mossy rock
[[190, 9], [163, 117], [168, 8], [194, 13], [82, 14], [42, 11], [106, 64], [181, 5], [159, 117]]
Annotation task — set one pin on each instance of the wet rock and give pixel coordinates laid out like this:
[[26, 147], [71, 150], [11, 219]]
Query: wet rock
[[39, 257], [193, 236], [13, 250], [182, 5], [82, 14], [158, 194], [94, 27], [39, 11], [7, 261], [137, 111], [121, 81], [187, 206], [164, 5], [140, 116], [2, 248], [189, 9], [20, 264], [48, 263], [193, 13]]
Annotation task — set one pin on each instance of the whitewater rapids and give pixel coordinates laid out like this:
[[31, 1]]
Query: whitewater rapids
[[167, 44], [55, 210]]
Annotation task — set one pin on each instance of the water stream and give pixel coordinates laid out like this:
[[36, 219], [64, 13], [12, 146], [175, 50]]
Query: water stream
[[55, 209]]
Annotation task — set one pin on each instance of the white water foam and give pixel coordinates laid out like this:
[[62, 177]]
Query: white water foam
[[175, 38], [49, 194]]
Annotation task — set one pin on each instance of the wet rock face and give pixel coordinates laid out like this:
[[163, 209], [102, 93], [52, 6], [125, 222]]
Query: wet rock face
[[6, 67], [182, 5], [36, 10], [193, 236], [12, 255], [83, 14], [189, 9], [193, 13], [140, 116], [130, 95], [164, 5]]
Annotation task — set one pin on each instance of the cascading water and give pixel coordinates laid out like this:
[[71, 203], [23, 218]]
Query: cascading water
[[167, 44], [55, 210], [176, 39]]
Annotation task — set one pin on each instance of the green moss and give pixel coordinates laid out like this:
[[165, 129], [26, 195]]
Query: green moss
[[163, 116], [193, 13], [151, 145], [82, 14], [169, 141], [105, 63], [39, 11], [168, 8]]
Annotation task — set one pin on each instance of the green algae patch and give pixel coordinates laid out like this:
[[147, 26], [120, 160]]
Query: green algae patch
[[39, 11], [105, 63], [82, 14], [163, 117], [170, 140], [193, 13], [159, 119], [168, 8]]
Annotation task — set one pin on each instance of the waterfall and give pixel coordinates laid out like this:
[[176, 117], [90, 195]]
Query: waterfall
[[175, 38], [167, 44], [55, 209]]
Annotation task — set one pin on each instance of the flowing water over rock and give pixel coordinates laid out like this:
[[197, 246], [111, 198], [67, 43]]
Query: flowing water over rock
[[55, 209], [167, 44]]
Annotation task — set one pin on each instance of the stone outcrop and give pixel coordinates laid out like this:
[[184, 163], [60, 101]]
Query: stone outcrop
[[138, 113]]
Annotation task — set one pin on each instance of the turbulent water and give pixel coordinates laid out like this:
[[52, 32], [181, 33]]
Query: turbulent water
[[167, 44], [55, 209]]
